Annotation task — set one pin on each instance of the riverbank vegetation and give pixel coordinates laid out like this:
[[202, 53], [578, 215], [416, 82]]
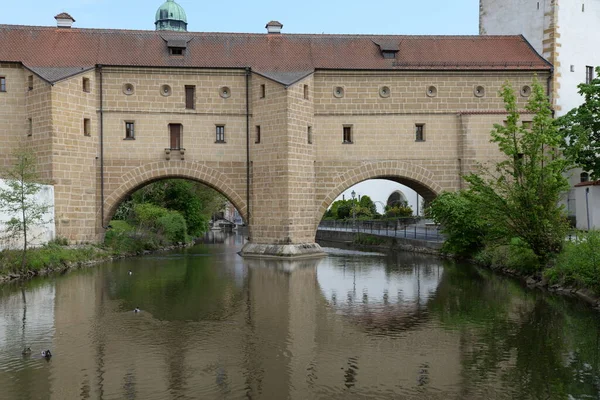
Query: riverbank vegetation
[[161, 215], [364, 208], [510, 216]]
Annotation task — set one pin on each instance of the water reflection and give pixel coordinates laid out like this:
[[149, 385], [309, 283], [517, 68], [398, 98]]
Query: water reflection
[[352, 325]]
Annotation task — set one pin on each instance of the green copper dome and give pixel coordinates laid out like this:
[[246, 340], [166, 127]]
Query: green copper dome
[[170, 17]]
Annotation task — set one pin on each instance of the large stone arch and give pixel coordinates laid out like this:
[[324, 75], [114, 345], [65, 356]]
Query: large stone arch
[[154, 171], [411, 175]]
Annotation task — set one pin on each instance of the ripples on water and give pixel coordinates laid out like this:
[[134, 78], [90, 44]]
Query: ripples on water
[[352, 325]]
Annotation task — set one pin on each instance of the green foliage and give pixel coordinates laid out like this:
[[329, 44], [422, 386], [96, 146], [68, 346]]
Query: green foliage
[[348, 209], [368, 240], [579, 263], [169, 225], [50, 256], [514, 255], [398, 211], [20, 200], [519, 196], [196, 202], [460, 221], [580, 129], [173, 226]]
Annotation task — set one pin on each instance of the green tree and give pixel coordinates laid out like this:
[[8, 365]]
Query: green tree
[[465, 230], [580, 129], [520, 195], [367, 204], [20, 201]]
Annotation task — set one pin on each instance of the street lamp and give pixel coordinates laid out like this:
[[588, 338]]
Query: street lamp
[[353, 210]]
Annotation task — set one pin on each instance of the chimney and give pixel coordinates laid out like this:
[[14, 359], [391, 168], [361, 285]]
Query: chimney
[[64, 20], [274, 27]]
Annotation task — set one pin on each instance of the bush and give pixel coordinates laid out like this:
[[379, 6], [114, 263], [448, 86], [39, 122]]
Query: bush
[[460, 222], [172, 225], [515, 256], [579, 263]]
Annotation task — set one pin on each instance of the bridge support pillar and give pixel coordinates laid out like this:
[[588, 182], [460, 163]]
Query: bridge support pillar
[[282, 251]]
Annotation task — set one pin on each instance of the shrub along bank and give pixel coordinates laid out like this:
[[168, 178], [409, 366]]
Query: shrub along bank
[[162, 215]]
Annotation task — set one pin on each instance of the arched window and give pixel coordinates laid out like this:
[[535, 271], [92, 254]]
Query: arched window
[[584, 177]]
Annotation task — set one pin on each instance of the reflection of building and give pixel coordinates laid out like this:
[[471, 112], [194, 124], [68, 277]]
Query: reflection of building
[[565, 35]]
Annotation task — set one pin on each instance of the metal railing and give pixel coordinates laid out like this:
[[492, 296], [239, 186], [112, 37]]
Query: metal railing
[[408, 228]]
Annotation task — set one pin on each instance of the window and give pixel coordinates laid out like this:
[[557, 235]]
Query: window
[[257, 134], [589, 74], [420, 132], [347, 134], [584, 177], [190, 92], [527, 124], [309, 135], [306, 92], [30, 82], [86, 85], [175, 133], [87, 131], [176, 51], [2, 84], [220, 134], [29, 127], [129, 130], [263, 91], [389, 54]]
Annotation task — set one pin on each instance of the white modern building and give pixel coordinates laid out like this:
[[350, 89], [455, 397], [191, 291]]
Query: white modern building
[[566, 33]]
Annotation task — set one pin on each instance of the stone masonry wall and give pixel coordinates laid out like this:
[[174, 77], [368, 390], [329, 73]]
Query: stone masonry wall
[[74, 154]]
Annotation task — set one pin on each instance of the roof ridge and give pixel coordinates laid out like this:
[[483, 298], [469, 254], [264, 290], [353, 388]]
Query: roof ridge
[[343, 35]]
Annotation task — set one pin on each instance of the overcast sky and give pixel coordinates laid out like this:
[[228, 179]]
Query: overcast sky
[[409, 17]]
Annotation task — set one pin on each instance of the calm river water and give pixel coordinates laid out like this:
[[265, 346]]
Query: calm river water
[[349, 326]]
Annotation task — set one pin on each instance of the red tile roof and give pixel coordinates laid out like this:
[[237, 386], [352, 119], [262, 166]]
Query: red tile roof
[[284, 57]]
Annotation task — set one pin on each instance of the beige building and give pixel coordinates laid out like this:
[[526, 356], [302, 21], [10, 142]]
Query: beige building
[[279, 123]]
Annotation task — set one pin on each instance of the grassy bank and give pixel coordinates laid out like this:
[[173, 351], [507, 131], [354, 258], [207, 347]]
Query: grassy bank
[[121, 240]]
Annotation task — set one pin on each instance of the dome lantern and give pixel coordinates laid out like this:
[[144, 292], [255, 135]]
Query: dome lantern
[[170, 16]]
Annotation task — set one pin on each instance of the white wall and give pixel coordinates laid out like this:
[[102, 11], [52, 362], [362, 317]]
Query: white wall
[[593, 198], [37, 235], [514, 17]]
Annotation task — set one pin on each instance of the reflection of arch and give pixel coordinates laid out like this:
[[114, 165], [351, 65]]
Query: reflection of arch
[[154, 171], [417, 178], [396, 198]]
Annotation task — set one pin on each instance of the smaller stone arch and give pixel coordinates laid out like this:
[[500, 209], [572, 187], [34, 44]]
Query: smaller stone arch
[[411, 175], [155, 171], [396, 197]]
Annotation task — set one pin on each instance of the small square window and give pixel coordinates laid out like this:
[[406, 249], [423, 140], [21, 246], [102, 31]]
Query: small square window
[[309, 135], [420, 132], [30, 82], [29, 127], [2, 84], [589, 74], [129, 130], [257, 134], [263, 91], [527, 124], [220, 134], [87, 130], [347, 134], [306, 92], [86, 85]]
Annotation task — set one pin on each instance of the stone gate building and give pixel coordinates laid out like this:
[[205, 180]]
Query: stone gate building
[[279, 123]]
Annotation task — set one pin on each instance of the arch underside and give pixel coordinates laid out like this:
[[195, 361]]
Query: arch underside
[[415, 177], [155, 171]]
